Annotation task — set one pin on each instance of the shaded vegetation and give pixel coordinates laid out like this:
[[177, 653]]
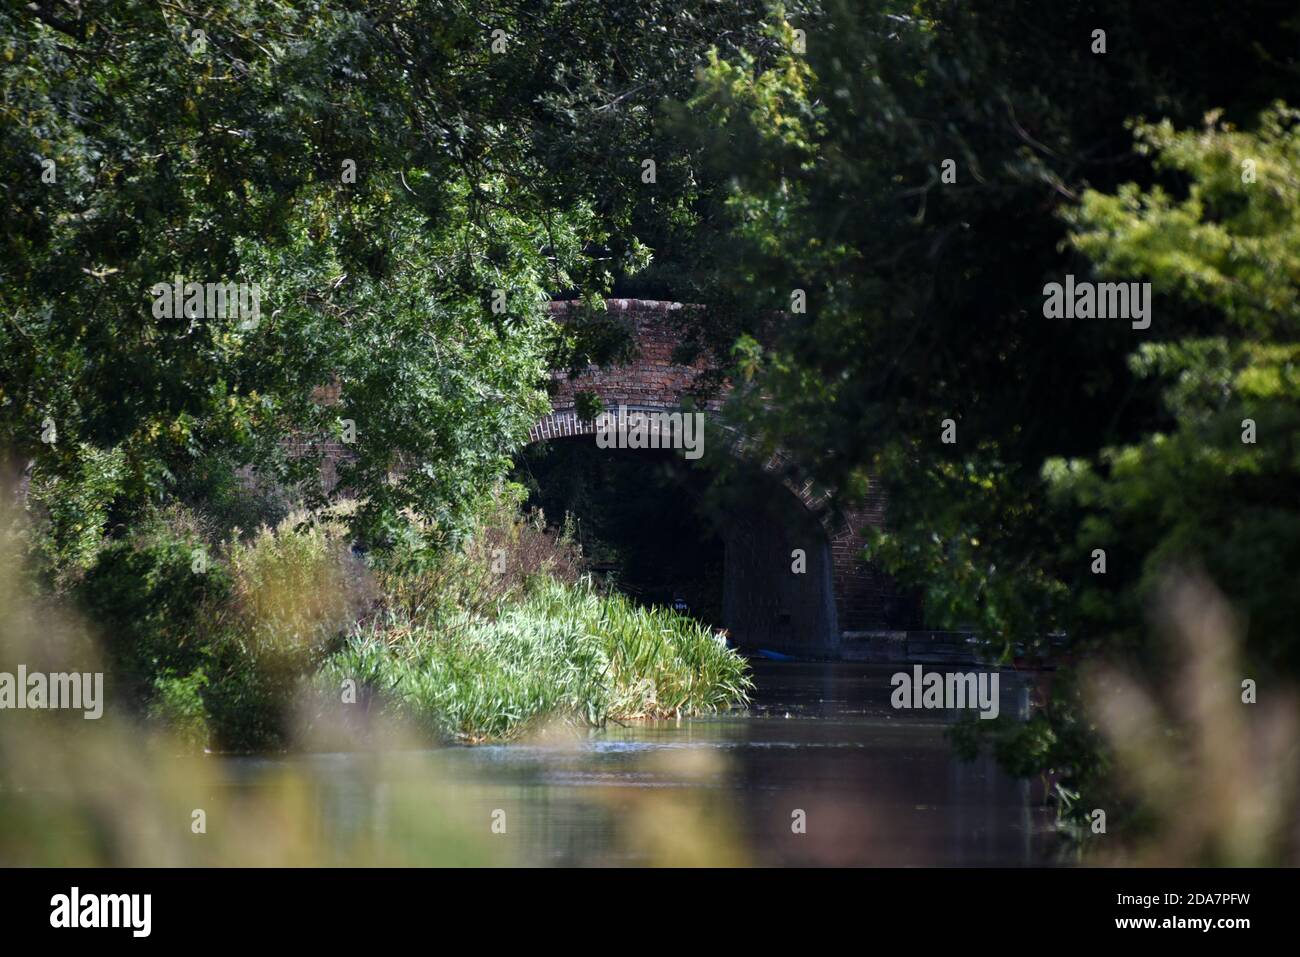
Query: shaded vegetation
[[921, 171]]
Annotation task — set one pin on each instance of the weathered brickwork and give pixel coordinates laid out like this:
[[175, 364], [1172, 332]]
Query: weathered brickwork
[[653, 380], [862, 593], [333, 452]]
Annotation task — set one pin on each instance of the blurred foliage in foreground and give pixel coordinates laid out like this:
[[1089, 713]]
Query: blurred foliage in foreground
[[1214, 782], [245, 653]]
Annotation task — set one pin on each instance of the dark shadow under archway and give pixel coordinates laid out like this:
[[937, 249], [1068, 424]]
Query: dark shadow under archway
[[741, 554], [635, 514]]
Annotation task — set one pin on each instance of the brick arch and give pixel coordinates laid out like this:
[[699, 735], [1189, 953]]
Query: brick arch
[[566, 423], [654, 382], [560, 424]]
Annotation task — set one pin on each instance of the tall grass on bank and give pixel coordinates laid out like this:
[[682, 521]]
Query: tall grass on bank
[[217, 637], [563, 652]]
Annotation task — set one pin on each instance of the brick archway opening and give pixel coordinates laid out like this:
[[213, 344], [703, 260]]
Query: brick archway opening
[[775, 588], [864, 599], [636, 515]]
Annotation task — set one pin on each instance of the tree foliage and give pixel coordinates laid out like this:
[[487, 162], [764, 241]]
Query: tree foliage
[[918, 174], [381, 170], [1218, 482]]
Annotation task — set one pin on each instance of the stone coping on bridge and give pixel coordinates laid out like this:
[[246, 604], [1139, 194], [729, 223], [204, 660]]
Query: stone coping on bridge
[[562, 423]]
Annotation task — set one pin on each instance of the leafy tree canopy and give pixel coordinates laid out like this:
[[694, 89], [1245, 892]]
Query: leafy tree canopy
[[380, 170]]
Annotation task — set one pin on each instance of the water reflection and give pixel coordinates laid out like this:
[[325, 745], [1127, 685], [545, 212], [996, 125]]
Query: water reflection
[[875, 786]]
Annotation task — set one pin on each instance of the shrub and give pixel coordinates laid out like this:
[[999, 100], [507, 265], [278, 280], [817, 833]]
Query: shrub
[[564, 651], [238, 500], [295, 592], [71, 507], [214, 640], [178, 704], [149, 592], [505, 552]]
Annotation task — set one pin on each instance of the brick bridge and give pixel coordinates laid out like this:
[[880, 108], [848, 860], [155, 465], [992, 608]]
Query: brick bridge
[[764, 603]]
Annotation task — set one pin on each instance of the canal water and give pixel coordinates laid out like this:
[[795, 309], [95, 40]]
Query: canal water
[[821, 770]]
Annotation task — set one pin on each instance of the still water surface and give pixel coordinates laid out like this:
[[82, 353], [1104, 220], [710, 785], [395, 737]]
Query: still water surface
[[875, 786]]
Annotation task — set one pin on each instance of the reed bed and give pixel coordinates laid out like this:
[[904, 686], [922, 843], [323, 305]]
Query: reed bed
[[564, 652]]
